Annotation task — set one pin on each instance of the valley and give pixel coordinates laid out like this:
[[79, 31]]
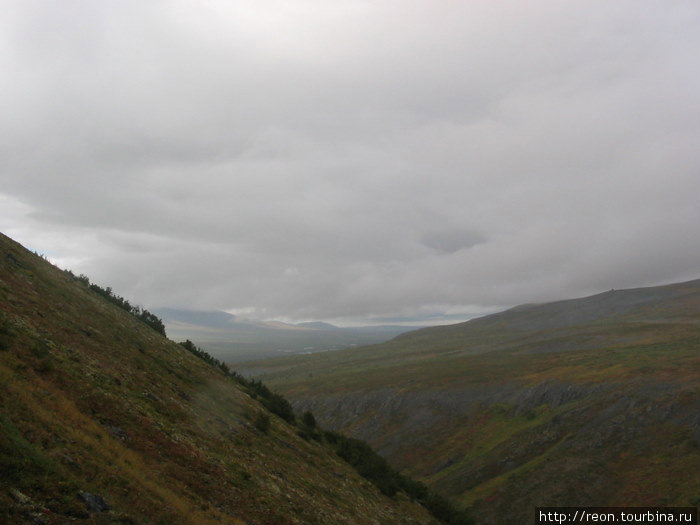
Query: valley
[[349, 262], [586, 402], [235, 339], [592, 401]]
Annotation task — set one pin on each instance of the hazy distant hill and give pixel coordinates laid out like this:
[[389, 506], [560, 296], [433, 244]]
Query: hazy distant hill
[[209, 319], [105, 421], [317, 325], [592, 401], [234, 339]]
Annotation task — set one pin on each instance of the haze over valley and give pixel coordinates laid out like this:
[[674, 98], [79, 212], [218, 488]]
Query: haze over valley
[[234, 339]]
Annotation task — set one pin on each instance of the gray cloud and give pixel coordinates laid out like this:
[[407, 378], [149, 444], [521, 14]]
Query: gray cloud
[[451, 240], [354, 160]]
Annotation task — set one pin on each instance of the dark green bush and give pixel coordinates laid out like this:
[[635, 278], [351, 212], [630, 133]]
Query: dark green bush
[[308, 419], [204, 356], [369, 464], [331, 437], [277, 404], [414, 489], [273, 401], [262, 422], [373, 467], [143, 315], [444, 510], [6, 334]]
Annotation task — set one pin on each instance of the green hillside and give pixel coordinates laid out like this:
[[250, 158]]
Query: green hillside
[[103, 420], [592, 401]]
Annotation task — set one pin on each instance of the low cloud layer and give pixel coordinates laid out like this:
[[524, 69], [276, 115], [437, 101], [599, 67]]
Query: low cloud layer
[[354, 160]]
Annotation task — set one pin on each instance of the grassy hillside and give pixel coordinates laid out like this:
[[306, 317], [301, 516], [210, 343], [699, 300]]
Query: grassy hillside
[[104, 420], [593, 401]]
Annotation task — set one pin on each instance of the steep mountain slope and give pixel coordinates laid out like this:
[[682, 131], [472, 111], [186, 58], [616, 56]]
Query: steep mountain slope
[[593, 401], [104, 420]]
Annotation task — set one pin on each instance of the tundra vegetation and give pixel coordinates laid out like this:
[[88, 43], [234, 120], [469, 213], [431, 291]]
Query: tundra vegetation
[[355, 452], [105, 420], [590, 402]]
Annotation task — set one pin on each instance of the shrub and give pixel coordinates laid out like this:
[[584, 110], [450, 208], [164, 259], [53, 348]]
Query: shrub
[[369, 464], [6, 334], [373, 467], [204, 356], [45, 365], [415, 489], [273, 401], [257, 388], [331, 437], [308, 419], [143, 315], [277, 404], [443, 509], [262, 422]]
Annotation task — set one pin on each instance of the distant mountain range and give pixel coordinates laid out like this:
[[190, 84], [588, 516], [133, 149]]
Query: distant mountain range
[[590, 402], [235, 339]]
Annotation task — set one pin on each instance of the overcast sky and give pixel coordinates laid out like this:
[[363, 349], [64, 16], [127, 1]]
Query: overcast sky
[[350, 160]]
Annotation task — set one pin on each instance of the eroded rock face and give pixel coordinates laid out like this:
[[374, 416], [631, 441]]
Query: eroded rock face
[[366, 414], [117, 432], [553, 430], [19, 497], [93, 502]]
